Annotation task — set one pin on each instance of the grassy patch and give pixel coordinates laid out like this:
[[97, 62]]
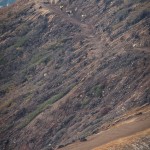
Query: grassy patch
[[44, 55], [96, 91], [21, 41], [55, 46], [22, 29], [52, 45], [40, 108], [2, 61], [40, 58], [85, 102]]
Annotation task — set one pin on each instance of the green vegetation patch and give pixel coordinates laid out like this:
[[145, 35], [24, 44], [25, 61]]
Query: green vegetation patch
[[21, 41], [41, 108], [2, 61], [97, 91], [40, 58], [44, 54], [23, 30], [54, 46], [85, 101]]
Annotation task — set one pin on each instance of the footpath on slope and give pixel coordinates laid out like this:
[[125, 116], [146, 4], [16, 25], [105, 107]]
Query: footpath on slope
[[125, 129], [87, 30]]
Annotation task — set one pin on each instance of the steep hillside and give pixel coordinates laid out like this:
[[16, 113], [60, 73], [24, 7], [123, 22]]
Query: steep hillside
[[130, 132], [71, 69]]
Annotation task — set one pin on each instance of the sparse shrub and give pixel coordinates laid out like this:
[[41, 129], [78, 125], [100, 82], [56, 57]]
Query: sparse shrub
[[9, 14], [2, 93], [21, 113], [134, 1], [121, 15], [97, 1], [55, 46], [138, 17], [135, 35], [2, 61], [37, 59], [77, 106], [83, 139], [61, 146], [59, 134], [2, 27], [68, 119], [22, 29], [107, 1], [85, 101], [96, 91]]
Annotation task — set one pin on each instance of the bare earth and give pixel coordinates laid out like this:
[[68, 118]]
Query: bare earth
[[125, 129]]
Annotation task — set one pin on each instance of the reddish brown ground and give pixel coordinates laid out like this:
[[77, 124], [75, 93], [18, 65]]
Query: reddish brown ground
[[121, 130]]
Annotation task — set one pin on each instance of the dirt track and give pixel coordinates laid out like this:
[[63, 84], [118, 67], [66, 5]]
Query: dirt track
[[128, 128]]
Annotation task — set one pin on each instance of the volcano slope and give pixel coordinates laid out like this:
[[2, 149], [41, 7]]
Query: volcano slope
[[68, 73]]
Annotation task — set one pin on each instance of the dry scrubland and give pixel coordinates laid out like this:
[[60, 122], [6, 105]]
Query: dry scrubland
[[68, 74]]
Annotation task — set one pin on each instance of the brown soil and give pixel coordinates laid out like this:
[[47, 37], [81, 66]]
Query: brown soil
[[125, 129]]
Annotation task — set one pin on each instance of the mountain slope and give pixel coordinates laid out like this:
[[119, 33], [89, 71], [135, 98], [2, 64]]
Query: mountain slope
[[130, 133], [68, 73]]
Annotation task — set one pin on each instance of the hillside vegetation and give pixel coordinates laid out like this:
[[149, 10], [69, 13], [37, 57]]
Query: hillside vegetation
[[69, 72]]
